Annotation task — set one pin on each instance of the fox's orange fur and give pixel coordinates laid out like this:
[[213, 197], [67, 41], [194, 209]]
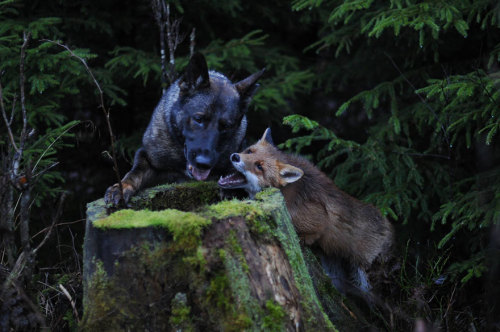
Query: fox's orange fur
[[322, 214]]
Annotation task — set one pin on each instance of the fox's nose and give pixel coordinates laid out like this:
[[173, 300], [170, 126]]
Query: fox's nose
[[235, 157]]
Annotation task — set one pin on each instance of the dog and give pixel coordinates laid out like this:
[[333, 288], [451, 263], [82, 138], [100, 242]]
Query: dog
[[198, 123]]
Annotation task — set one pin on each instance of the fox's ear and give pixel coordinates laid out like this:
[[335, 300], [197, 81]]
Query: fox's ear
[[195, 75], [289, 173], [267, 136], [247, 88]]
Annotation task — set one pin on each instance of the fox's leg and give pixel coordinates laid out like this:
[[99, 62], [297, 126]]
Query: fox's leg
[[334, 268], [139, 176], [360, 280]]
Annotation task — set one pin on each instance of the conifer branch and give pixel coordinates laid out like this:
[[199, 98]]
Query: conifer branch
[[445, 134], [104, 109]]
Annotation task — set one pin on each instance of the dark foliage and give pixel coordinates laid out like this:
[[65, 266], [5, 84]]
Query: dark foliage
[[398, 101]]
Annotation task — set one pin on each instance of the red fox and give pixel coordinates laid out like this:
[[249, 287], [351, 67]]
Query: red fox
[[347, 230]]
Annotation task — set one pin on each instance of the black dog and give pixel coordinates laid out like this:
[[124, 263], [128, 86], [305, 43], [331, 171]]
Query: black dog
[[197, 124]]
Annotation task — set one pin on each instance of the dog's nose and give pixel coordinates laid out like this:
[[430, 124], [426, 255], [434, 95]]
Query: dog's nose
[[235, 157], [202, 162]]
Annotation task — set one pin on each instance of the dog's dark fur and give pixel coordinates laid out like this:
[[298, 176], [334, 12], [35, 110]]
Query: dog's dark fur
[[197, 124]]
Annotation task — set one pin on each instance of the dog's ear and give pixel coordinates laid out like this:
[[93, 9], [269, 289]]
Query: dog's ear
[[267, 136], [247, 87], [195, 76]]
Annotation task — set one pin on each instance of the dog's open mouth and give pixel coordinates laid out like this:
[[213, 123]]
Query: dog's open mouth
[[234, 180], [199, 174]]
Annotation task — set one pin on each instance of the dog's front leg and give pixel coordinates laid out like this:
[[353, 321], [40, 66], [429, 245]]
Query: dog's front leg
[[139, 176]]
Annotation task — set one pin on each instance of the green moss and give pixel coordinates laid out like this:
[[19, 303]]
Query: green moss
[[197, 260], [255, 213], [186, 196], [218, 293], [246, 304], [285, 232], [96, 209], [274, 320], [180, 317], [237, 251], [233, 208], [185, 226], [268, 194]]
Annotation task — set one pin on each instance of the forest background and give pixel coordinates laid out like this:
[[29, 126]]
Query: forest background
[[398, 101]]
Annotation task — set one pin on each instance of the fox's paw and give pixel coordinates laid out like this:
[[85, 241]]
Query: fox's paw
[[113, 194]]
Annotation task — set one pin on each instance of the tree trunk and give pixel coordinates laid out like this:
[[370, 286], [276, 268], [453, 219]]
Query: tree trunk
[[183, 261]]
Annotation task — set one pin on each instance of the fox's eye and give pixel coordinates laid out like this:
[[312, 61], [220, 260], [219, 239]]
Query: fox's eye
[[248, 151], [259, 166]]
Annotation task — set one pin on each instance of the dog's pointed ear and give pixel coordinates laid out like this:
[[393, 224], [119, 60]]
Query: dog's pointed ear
[[247, 87], [195, 75], [267, 136], [289, 174]]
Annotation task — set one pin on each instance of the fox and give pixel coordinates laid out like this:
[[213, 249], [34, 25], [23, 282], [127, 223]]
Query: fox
[[350, 233]]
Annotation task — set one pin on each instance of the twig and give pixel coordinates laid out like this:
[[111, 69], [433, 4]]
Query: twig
[[104, 109], [157, 6], [50, 145], [192, 42], [7, 122], [13, 109], [57, 225], [26, 38], [55, 218], [73, 305], [173, 40], [24, 214], [424, 155], [421, 99]]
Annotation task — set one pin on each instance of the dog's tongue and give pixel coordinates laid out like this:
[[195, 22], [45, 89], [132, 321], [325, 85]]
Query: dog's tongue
[[200, 175]]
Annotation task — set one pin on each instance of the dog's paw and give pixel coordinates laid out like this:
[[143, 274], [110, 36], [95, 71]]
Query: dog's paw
[[113, 195]]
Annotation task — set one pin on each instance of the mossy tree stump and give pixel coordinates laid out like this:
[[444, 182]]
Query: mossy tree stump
[[181, 260]]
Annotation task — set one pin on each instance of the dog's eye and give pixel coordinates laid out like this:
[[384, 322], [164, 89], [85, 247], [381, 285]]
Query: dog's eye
[[198, 118], [259, 166]]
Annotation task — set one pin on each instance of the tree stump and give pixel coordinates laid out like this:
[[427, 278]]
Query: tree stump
[[180, 259]]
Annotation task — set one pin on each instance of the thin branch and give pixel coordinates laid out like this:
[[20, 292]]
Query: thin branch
[[50, 145], [104, 109], [192, 42], [24, 214], [483, 86], [55, 218], [13, 109], [422, 99], [73, 305], [22, 78], [57, 225], [173, 40], [424, 155], [158, 6], [7, 122]]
